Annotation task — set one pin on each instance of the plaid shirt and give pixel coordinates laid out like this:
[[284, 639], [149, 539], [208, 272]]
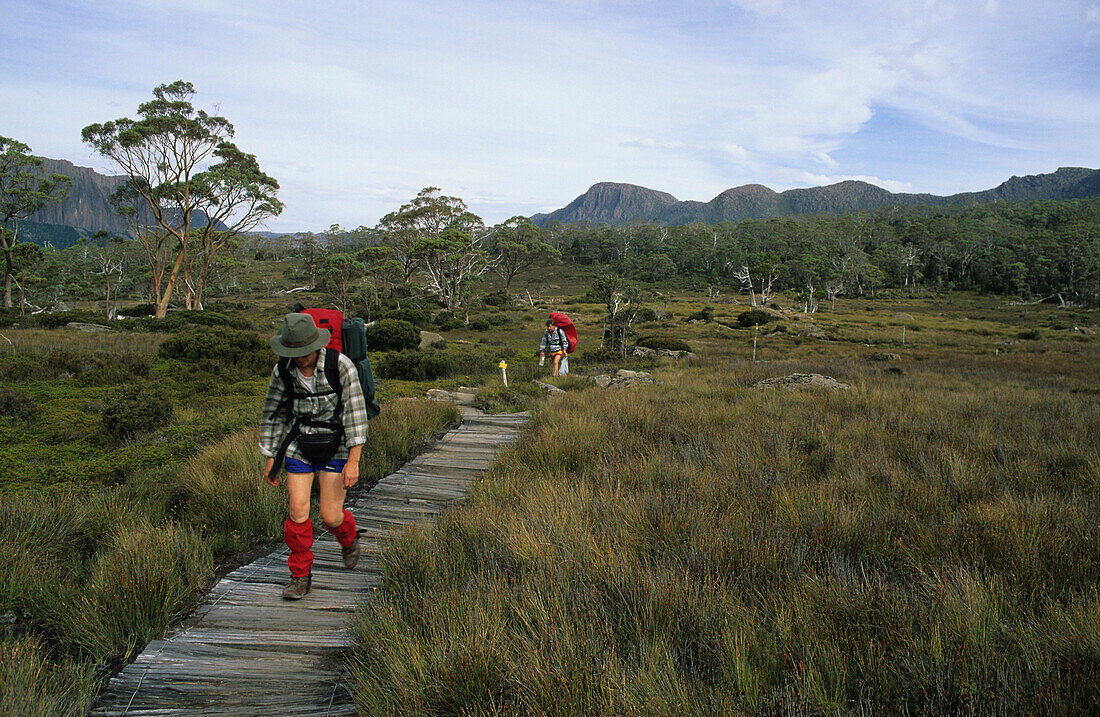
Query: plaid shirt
[[554, 340], [321, 408]]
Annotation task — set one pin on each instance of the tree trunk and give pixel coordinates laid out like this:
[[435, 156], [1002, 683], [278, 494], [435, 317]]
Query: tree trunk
[[162, 302], [8, 271]]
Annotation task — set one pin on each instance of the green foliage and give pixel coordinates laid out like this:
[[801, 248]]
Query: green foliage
[[143, 309], [1031, 335], [446, 320], [17, 405], [755, 317], [417, 317], [431, 364], [500, 299], [704, 314], [392, 335], [135, 408], [479, 324], [664, 342], [224, 346]]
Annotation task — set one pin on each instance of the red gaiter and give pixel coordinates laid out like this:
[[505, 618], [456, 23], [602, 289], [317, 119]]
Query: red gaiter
[[345, 532], [299, 538]]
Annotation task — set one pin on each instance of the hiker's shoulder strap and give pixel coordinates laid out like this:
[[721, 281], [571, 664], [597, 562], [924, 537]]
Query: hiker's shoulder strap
[[332, 372]]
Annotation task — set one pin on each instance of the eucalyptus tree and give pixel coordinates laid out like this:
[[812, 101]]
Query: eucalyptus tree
[[517, 247], [236, 197], [165, 154], [23, 191], [424, 219]]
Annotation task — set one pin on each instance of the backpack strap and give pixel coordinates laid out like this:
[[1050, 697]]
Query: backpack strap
[[293, 391]]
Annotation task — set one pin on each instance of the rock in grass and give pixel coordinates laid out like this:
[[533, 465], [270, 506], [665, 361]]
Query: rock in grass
[[427, 338], [800, 380], [810, 331], [87, 328], [549, 388], [460, 397]]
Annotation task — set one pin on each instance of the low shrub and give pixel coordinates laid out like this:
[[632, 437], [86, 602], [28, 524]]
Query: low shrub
[[135, 408], [446, 321], [1031, 335], [704, 314], [499, 320], [645, 314], [17, 405], [100, 368], [754, 317], [224, 346], [478, 324], [664, 342], [57, 319], [417, 317], [392, 335], [500, 299], [431, 364]]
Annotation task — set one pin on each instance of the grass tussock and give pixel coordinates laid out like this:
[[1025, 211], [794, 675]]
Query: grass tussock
[[919, 543]]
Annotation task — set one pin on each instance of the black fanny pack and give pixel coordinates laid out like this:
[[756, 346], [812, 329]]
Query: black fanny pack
[[319, 447]]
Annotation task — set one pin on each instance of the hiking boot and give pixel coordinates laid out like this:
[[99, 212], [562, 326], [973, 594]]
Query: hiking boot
[[351, 553], [297, 588]]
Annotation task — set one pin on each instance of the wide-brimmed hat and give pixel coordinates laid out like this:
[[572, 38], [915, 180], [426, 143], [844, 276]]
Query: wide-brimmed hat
[[298, 336]]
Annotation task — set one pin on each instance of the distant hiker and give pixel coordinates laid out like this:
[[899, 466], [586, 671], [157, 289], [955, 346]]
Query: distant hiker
[[318, 429], [555, 343]]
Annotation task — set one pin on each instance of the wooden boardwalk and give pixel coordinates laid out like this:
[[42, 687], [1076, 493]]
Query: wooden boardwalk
[[246, 651]]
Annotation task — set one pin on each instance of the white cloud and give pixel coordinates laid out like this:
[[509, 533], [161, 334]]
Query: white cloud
[[518, 107]]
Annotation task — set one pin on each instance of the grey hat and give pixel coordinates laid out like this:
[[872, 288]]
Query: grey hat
[[298, 336]]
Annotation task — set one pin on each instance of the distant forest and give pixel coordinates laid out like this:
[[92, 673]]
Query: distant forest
[[1034, 249]]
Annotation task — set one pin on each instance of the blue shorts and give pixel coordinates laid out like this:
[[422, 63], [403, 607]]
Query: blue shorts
[[333, 465]]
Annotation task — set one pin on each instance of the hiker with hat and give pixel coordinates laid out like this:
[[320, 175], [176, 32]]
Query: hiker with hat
[[316, 431]]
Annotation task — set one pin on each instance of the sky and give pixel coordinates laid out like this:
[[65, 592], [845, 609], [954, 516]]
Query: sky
[[518, 107]]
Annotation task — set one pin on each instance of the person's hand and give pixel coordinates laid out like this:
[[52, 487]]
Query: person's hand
[[272, 479], [351, 473]]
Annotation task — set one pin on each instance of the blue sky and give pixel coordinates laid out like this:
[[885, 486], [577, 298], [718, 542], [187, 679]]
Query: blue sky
[[518, 107]]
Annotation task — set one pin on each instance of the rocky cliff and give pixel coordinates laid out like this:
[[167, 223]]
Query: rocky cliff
[[87, 208]]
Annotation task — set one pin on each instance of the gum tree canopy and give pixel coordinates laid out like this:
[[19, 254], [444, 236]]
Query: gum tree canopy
[[181, 206], [23, 191]]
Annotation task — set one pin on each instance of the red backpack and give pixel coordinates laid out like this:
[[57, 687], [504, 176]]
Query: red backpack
[[565, 324], [330, 319]]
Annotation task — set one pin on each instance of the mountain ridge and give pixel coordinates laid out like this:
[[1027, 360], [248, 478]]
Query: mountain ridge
[[621, 203]]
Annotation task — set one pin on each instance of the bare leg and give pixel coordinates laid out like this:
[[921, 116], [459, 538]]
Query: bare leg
[[298, 486], [332, 498], [557, 363]]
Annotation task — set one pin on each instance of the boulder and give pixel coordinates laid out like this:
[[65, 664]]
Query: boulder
[[427, 338], [645, 352], [462, 398], [802, 380], [87, 328], [551, 389], [624, 378], [810, 331]]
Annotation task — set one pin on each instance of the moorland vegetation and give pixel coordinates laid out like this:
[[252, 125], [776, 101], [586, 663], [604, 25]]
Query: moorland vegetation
[[925, 540]]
